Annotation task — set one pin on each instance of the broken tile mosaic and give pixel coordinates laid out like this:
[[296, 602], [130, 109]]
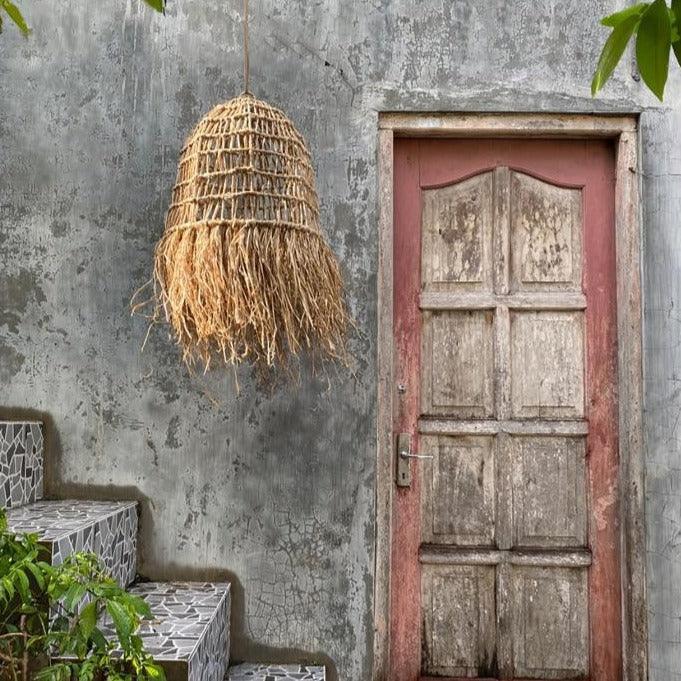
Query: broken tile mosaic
[[275, 672], [106, 528], [190, 626], [21, 463]]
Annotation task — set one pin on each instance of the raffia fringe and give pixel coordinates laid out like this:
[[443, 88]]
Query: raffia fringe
[[250, 294], [242, 270]]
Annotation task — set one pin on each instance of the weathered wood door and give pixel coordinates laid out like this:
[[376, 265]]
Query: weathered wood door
[[505, 555]]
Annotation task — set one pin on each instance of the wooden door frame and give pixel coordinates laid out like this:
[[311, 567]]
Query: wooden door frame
[[623, 130]]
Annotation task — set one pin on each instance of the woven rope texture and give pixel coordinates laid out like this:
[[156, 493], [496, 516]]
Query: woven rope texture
[[242, 269]]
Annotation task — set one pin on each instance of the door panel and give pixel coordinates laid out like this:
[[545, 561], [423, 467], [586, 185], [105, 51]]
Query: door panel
[[550, 624], [549, 492], [458, 493], [505, 554], [457, 235], [546, 235], [547, 364], [459, 619], [461, 342]]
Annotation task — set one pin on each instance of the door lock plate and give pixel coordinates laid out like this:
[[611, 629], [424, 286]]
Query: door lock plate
[[403, 464]]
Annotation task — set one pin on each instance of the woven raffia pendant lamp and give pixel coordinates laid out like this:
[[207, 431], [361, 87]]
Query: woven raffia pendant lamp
[[242, 270]]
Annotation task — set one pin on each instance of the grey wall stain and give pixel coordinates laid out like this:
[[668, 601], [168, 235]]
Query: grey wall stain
[[17, 290], [11, 362], [274, 488]]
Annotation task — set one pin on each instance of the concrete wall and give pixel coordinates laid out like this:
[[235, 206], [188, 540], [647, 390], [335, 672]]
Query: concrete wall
[[274, 488]]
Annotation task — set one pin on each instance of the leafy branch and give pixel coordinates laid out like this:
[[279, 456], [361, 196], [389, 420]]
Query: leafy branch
[[656, 27], [57, 613], [8, 8]]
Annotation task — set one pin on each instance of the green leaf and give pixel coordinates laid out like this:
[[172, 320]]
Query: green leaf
[[618, 17], [88, 619], [139, 605], [15, 15], [98, 639], [676, 38], [158, 5], [122, 621], [652, 46], [23, 586], [74, 595], [37, 573], [8, 586], [153, 671], [612, 52], [55, 672]]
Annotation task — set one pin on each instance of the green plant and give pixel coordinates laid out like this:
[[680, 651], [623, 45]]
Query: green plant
[[55, 613], [656, 27], [14, 13]]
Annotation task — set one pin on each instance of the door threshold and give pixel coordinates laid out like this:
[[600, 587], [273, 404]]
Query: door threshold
[[480, 678]]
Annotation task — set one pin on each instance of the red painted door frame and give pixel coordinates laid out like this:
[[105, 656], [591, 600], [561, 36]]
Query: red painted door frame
[[580, 163]]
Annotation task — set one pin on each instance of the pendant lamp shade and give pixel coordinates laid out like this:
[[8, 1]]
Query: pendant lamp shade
[[242, 270]]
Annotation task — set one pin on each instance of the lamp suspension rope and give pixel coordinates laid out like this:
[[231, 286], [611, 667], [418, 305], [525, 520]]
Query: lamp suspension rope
[[246, 64]]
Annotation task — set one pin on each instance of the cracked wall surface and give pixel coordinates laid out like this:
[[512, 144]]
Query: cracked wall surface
[[274, 489]]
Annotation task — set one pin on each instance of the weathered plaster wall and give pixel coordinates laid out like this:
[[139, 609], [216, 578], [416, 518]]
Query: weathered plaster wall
[[274, 489]]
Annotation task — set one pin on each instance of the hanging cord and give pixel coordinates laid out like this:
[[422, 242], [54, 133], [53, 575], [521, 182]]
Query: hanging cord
[[246, 64]]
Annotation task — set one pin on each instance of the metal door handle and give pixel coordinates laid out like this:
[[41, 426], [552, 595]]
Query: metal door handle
[[403, 457], [409, 455]]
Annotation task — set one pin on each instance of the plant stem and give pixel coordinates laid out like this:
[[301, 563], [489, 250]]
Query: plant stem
[[24, 661]]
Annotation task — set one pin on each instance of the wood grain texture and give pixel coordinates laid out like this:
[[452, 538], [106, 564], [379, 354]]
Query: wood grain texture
[[457, 236], [547, 364], [458, 363], [550, 632], [546, 235], [505, 125], [623, 129], [458, 490], [405, 607], [630, 369], [504, 364], [384, 422], [459, 619]]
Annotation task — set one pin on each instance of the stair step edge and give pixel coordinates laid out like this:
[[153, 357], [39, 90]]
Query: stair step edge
[[249, 671], [194, 646], [109, 529]]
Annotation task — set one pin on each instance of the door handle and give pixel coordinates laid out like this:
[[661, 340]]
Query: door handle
[[409, 455], [404, 456]]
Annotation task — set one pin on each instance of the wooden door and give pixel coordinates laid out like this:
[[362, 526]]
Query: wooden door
[[505, 555]]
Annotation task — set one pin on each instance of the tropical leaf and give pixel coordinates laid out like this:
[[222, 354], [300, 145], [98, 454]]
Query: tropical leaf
[[618, 17], [122, 620], [87, 622], [15, 15], [613, 50], [676, 29], [653, 42], [137, 604], [158, 5]]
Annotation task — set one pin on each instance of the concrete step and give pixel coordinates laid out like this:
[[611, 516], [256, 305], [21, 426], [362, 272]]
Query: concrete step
[[189, 636], [275, 672], [21, 463], [106, 528]]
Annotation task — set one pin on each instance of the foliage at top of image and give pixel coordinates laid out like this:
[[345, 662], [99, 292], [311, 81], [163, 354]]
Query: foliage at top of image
[[656, 27], [8, 8], [55, 613]]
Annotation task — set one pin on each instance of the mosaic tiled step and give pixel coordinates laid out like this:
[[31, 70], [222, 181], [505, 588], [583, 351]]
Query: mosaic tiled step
[[21, 463], [106, 528], [189, 636], [275, 672]]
